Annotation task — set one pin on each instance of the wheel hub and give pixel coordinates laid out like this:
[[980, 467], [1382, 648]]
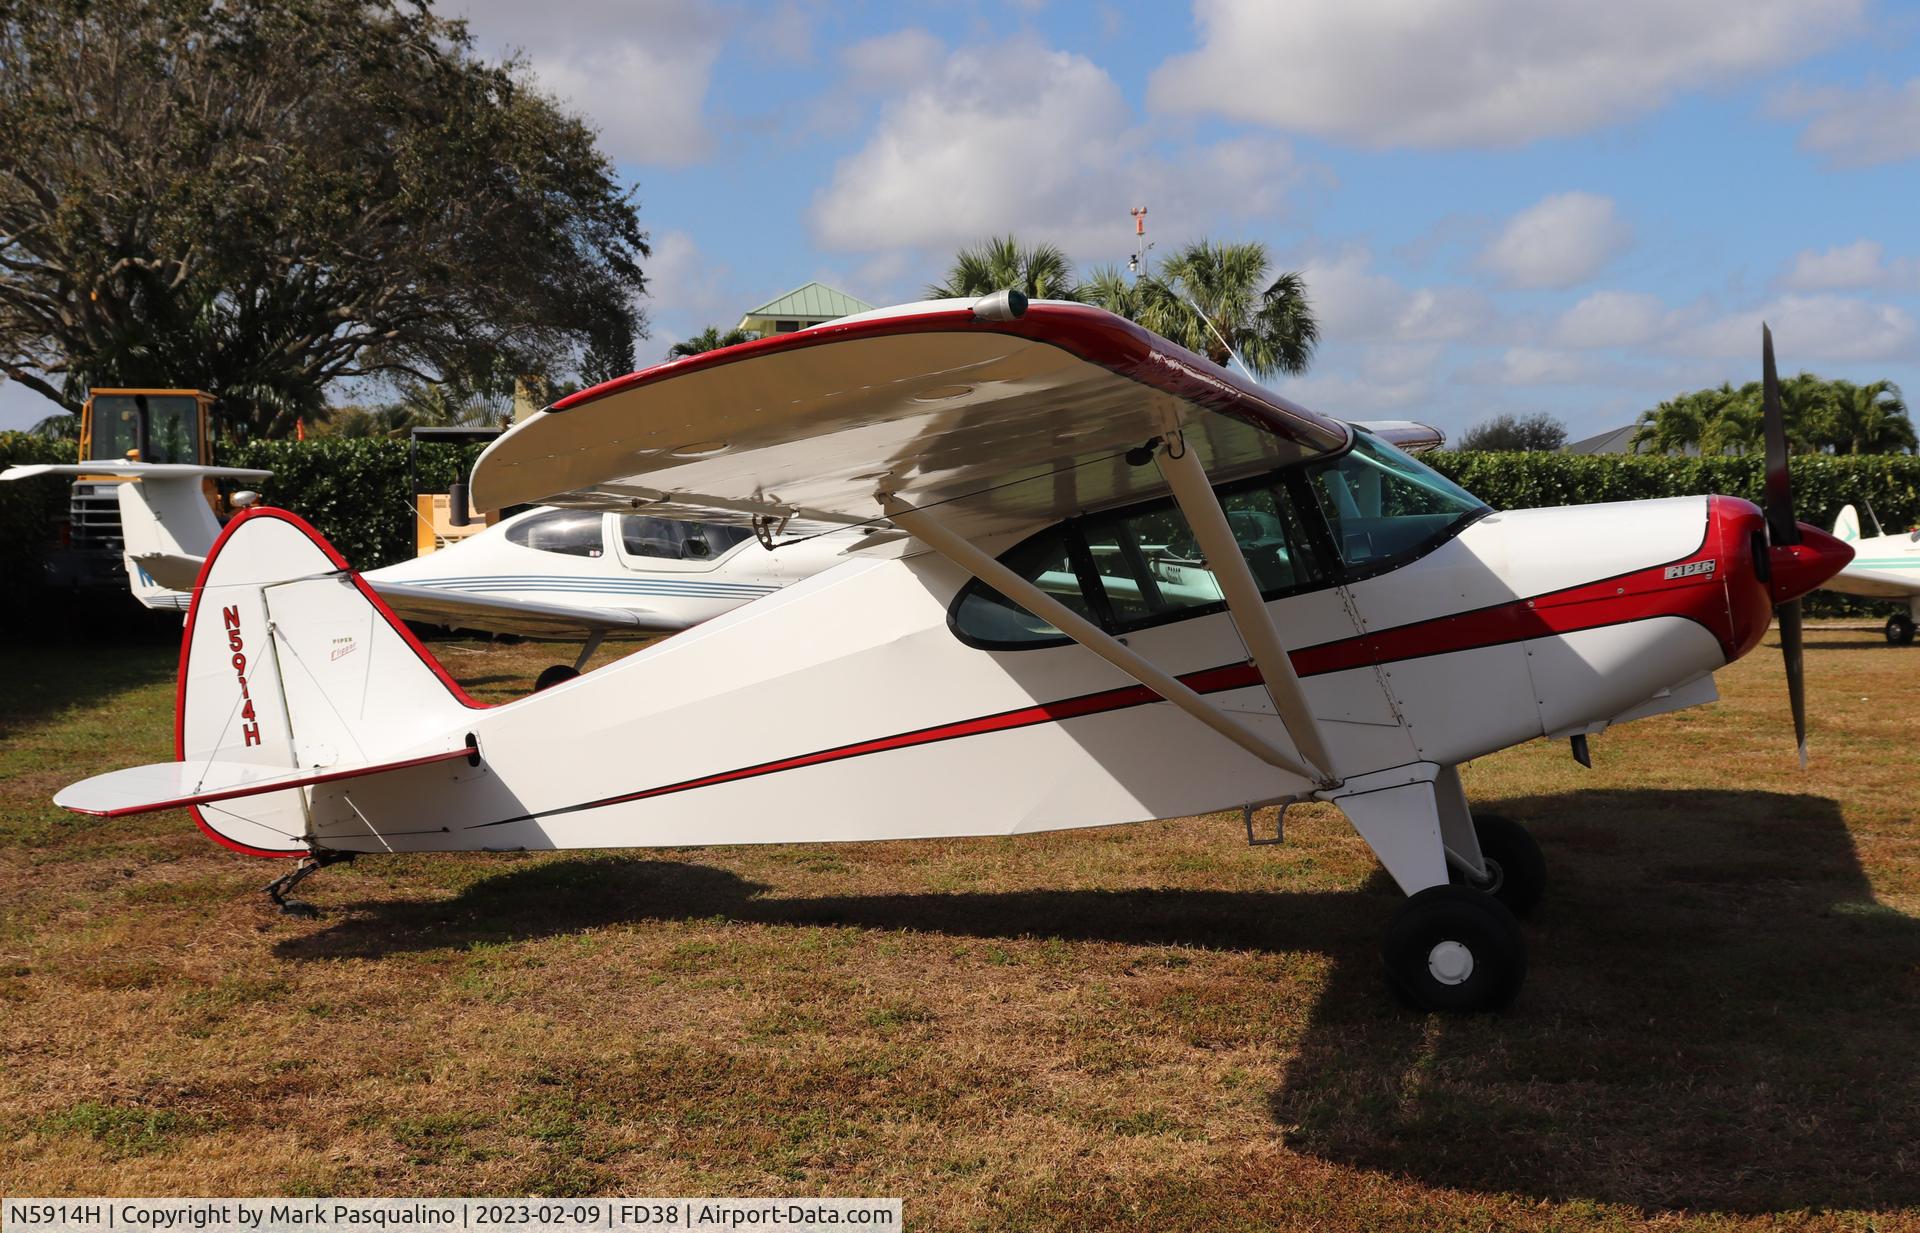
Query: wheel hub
[[1450, 963]]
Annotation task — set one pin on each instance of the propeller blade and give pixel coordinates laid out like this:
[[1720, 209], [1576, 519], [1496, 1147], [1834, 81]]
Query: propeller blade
[[1790, 647], [1781, 525]]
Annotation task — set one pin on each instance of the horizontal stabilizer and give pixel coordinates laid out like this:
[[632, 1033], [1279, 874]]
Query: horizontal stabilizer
[[133, 470], [434, 605], [175, 785], [173, 570]]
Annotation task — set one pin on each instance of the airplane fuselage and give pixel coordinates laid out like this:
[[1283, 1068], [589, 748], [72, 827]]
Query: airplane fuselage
[[847, 707]]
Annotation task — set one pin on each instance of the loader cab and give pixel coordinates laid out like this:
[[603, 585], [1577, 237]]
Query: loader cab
[[146, 426], [125, 425]]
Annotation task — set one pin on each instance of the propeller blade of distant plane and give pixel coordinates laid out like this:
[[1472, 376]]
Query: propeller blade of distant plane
[[1782, 529]]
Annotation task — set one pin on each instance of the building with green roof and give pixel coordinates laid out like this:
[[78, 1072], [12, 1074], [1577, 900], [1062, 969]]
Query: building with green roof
[[800, 308]]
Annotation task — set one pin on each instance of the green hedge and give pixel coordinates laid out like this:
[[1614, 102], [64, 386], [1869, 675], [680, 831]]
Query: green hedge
[[1822, 483], [354, 490], [30, 510]]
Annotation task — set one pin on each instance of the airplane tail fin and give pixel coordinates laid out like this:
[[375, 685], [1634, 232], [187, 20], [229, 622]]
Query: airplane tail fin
[[1847, 526], [166, 530], [291, 669]]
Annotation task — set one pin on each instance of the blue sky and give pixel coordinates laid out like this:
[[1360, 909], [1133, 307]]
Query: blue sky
[[1499, 205]]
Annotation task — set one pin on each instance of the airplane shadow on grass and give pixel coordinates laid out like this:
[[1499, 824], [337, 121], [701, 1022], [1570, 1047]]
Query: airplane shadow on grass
[[1719, 1016]]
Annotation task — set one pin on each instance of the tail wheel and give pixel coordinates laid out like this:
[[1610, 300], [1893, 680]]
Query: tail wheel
[[1517, 870], [553, 676], [1454, 949], [1900, 629]]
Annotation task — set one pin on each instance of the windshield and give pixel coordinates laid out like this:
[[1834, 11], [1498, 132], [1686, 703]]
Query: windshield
[[1381, 504], [147, 427]]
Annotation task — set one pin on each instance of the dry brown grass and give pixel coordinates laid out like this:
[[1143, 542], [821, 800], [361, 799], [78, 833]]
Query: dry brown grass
[[1150, 1027]]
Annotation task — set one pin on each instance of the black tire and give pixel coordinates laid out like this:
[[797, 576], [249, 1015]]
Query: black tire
[[1454, 949], [1900, 630], [1514, 859], [553, 676]]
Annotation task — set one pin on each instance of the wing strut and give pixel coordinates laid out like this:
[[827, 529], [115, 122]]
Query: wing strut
[[1249, 611], [929, 530]]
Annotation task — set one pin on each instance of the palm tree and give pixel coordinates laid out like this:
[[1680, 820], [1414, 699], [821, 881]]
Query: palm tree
[[1678, 424], [1867, 419], [1041, 272], [1211, 300], [709, 339]]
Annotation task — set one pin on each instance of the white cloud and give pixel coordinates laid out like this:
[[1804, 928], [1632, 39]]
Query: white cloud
[[1351, 396], [1018, 137], [1808, 330], [1878, 123], [687, 292], [1561, 241], [1476, 72], [1850, 267], [1612, 319], [638, 70], [1356, 304], [1532, 366], [888, 63]]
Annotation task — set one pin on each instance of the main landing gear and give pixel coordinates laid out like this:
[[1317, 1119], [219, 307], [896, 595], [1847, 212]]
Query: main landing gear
[[1454, 948], [1455, 944], [1900, 629]]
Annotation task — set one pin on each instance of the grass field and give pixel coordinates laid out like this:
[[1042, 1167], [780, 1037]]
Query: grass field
[[1151, 1027]]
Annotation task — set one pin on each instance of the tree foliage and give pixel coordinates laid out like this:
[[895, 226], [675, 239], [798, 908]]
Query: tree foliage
[[1042, 272], [1822, 416], [710, 339], [1540, 431], [1210, 297], [261, 198]]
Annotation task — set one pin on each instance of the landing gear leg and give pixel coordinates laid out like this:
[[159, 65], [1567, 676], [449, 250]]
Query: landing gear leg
[[560, 672], [278, 889], [1488, 853], [1450, 947]]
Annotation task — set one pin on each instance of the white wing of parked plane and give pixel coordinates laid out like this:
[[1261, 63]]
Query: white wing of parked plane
[[498, 614], [1005, 421]]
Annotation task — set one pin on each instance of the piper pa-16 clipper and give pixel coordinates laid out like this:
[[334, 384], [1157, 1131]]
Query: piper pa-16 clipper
[[1087, 577], [1883, 567]]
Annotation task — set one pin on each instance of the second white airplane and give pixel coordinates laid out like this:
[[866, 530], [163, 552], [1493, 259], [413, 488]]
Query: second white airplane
[[1884, 567]]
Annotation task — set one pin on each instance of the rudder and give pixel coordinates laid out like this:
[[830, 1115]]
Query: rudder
[[290, 661]]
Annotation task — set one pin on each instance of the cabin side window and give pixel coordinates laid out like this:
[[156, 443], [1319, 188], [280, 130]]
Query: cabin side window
[[573, 533], [673, 540], [1134, 568]]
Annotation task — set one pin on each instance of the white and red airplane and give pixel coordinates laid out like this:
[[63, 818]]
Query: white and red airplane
[[1086, 577]]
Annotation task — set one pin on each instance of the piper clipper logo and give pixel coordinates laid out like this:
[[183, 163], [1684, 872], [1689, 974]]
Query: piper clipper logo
[[250, 729], [1692, 569]]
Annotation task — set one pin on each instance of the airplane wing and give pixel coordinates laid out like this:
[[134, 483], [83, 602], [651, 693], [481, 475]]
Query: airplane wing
[[133, 470], [434, 605], [1008, 421]]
